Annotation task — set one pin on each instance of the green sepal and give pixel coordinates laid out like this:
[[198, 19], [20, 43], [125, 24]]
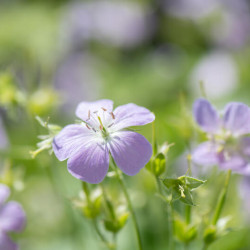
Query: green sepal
[[171, 182], [210, 234], [157, 165], [185, 233], [116, 224], [93, 209], [191, 182], [181, 188]]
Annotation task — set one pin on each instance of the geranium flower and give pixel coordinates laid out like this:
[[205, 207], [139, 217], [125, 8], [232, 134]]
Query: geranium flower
[[87, 145], [228, 144], [12, 219]]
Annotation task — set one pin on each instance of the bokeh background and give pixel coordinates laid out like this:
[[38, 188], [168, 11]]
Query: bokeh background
[[155, 53]]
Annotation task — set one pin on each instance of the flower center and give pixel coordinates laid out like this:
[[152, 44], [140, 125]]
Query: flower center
[[100, 121]]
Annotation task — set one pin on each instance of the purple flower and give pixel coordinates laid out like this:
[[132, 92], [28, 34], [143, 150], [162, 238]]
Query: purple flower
[[87, 145], [228, 142], [12, 219]]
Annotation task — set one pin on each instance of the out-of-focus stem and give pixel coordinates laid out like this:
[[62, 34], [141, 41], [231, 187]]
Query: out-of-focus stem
[[94, 221], [222, 199], [188, 214], [170, 217]]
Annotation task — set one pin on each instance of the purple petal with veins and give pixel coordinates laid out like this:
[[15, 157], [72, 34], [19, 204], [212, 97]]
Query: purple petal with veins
[[130, 150], [131, 115], [70, 140], [91, 163]]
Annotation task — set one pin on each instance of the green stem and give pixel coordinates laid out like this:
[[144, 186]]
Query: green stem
[[222, 199], [170, 217], [171, 225], [102, 237], [108, 204], [124, 189], [154, 139], [85, 188], [188, 214], [94, 221]]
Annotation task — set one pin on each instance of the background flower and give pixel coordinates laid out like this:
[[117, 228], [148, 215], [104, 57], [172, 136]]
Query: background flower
[[12, 219], [228, 136]]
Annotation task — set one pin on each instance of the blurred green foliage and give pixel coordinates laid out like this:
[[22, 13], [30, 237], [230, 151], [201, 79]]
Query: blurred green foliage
[[155, 73]]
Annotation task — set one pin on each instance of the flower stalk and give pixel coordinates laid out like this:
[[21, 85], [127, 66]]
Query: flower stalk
[[131, 209]]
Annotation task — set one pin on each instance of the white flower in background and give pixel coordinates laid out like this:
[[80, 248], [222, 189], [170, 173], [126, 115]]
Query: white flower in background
[[218, 72]]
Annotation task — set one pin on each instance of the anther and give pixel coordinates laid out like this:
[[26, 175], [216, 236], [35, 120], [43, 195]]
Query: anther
[[104, 109], [101, 127], [87, 126], [112, 114]]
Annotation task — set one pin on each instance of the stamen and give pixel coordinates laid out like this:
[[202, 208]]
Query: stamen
[[112, 114], [87, 126], [95, 112], [101, 127], [104, 109], [110, 125], [88, 115], [93, 129]]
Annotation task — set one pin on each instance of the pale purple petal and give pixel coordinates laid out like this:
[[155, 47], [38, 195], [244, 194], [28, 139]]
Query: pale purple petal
[[131, 115], [206, 116], [82, 110], [4, 193], [130, 151], [91, 163], [70, 140], [245, 146], [12, 217], [244, 171], [232, 161], [205, 154], [237, 118], [6, 243]]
